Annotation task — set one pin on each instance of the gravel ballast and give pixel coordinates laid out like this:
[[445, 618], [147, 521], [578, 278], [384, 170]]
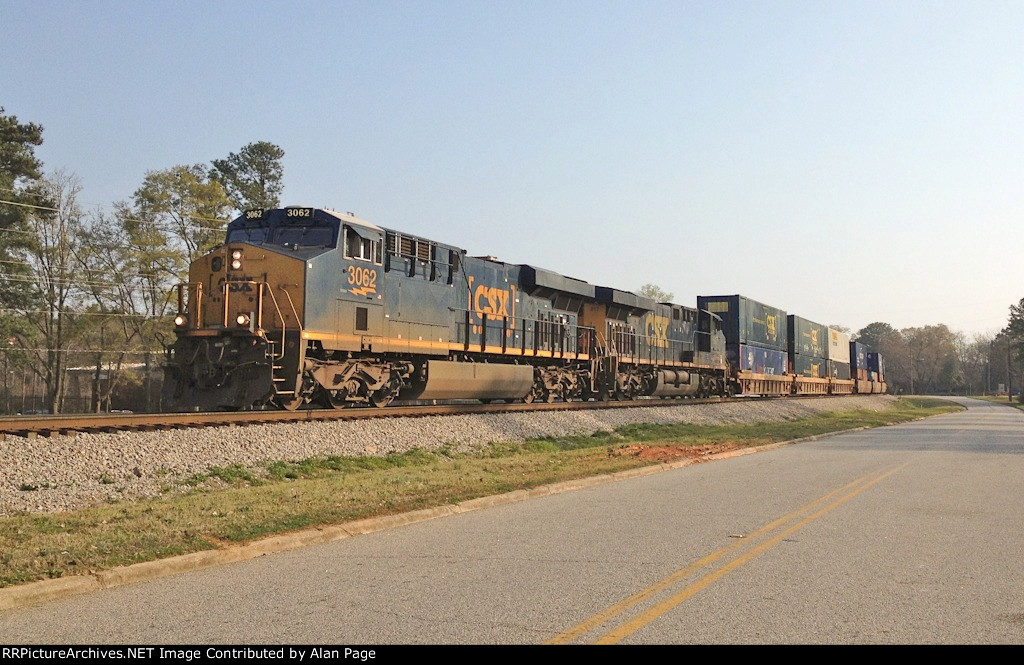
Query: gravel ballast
[[46, 475]]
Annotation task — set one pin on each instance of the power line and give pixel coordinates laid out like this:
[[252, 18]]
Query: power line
[[129, 219], [83, 203], [53, 281], [81, 269], [29, 205], [130, 353], [146, 317]]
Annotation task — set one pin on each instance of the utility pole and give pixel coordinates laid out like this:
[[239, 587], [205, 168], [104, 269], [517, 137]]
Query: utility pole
[[1009, 375], [910, 346], [988, 366]]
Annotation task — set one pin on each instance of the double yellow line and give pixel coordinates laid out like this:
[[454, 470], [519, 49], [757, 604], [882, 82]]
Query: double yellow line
[[795, 520]]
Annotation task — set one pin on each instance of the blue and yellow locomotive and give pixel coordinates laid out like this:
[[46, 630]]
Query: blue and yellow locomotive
[[306, 306]]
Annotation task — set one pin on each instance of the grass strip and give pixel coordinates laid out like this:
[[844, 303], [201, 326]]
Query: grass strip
[[234, 504], [997, 399]]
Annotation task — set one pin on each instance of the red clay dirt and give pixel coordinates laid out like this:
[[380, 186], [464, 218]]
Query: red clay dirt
[[672, 453]]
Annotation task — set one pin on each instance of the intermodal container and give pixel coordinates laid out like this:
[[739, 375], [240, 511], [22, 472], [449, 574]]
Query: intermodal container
[[757, 359], [809, 366], [858, 361], [749, 322], [807, 338], [876, 363], [838, 370], [838, 346]]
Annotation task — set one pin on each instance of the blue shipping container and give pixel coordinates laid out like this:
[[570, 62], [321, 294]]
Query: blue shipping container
[[876, 363], [757, 359], [858, 356]]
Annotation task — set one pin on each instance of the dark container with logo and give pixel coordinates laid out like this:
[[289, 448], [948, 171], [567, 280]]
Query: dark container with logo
[[809, 366], [807, 338], [749, 322]]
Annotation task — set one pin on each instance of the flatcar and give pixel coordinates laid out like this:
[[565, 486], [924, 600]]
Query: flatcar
[[304, 307]]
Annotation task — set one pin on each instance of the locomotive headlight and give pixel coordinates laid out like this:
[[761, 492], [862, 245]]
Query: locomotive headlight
[[236, 254], [236, 259], [180, 320], [242, 319]]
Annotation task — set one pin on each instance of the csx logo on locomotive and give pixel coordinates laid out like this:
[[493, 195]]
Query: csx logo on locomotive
[[236, 284], [493, 302], [657, 330]]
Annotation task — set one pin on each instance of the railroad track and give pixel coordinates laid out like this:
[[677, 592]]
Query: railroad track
[[71, 424]]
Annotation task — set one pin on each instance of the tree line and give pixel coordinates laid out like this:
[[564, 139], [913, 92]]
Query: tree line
[[94, 289], [936, 360]]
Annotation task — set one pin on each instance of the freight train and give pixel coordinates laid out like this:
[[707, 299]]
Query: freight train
[[304, 307]]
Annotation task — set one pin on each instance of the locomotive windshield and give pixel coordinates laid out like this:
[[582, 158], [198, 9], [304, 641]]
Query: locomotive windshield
[[286, 236], [253, 235], [303, 236]]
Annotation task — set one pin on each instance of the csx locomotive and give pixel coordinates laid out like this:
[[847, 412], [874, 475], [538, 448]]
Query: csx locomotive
[[305, 307]]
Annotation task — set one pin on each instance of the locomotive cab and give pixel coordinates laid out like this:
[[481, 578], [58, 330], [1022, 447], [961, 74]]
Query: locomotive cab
[[249, 305]]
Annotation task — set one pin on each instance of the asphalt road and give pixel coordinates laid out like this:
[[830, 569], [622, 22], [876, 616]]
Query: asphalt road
[[911, 534]]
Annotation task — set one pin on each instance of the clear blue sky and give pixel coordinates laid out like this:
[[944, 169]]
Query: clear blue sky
[[848, 162]]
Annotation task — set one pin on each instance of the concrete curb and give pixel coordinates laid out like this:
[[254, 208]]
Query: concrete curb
[[43, 591]]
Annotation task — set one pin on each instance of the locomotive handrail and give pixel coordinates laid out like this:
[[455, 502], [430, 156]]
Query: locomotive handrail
[[227, 290], [277, 308], [292, 305], [555, 333], [629, 342], [196, 317], [260, 286], [199, 304]]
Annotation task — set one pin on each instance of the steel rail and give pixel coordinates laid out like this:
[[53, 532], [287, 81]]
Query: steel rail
[[69, 424]]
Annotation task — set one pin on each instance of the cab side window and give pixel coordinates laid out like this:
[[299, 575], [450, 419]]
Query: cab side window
[[361, 248]]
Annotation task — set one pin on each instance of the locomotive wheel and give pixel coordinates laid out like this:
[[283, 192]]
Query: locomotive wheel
[[333, 399], [290, 404], [386, 393], [536, 394]]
